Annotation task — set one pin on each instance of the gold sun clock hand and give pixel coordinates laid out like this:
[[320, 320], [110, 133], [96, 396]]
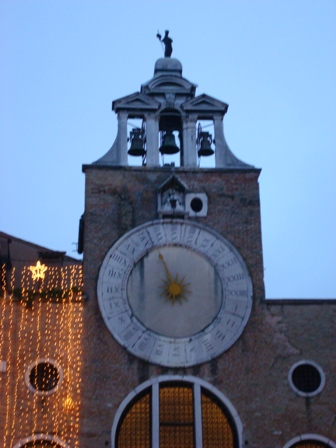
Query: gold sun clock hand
[[173, 288], [166, 267]]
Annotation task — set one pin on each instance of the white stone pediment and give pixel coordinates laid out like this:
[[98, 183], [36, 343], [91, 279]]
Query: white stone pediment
[[173, 182], [136, 101], [163, 84], [205, 103]]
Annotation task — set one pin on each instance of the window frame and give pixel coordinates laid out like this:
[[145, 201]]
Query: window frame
[[300, 392], [39, 437], [197, 385], [310, 438], [35, 364]]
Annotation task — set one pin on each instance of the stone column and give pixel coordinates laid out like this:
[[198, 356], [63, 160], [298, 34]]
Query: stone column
[[121, 141], [189, 142], [220, 143], [152, 139]]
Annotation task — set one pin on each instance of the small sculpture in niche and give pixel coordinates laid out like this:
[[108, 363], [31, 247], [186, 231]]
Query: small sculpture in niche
[[172, 200], [171, 197]]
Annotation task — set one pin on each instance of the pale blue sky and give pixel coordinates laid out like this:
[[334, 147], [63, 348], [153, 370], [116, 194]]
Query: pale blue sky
[[272, 61]]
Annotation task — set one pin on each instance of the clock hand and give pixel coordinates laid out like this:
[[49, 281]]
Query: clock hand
[[174, 289], [170, 277]]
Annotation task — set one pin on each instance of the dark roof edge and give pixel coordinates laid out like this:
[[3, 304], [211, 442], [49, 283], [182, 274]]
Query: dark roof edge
[[168, 168], [300, 301], [37, 247]]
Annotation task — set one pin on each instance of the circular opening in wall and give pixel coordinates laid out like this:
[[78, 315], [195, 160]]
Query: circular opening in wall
[[41, 440], [44, 376], [306, 378], [196, 205]]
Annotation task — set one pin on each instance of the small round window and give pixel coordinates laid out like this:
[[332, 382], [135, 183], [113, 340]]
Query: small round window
[[196, 205], [306, 378], [44, 376], [41, 440], [41, 443]]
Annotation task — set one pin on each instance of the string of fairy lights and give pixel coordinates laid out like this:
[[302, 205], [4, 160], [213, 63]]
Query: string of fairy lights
[[17, 366], [23, 356], [9, 335], [2, 321], [41, 354]]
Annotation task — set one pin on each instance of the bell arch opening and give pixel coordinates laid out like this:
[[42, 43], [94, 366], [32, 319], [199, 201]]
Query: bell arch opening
[[176, 411], [136, 140], [205, 142], [171, 137]]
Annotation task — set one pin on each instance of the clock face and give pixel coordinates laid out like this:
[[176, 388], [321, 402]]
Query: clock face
[[174, 293]]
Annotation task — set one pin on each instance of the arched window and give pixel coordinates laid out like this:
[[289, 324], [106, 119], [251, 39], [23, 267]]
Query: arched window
[[170, 412], [310, 444], [310, 441]]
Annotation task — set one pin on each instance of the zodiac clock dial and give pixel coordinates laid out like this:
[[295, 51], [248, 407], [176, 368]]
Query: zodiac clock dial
[[174, 293]]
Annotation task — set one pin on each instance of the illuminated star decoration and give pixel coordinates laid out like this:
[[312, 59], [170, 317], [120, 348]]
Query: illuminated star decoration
[[38, 270]]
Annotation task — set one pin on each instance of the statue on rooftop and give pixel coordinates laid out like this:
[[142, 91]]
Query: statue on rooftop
[[167, 43]]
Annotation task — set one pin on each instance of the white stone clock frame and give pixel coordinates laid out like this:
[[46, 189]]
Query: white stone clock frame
[[140, 340]]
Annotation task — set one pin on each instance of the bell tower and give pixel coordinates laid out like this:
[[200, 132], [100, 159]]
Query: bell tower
[[171, 121], [172, 270]]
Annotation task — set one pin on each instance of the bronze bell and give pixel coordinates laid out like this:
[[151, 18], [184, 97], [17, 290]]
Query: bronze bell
[[168, 144], [137, 148], [205, 148]]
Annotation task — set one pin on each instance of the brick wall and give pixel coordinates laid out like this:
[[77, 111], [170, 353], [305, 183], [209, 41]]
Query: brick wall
[[252, 374]]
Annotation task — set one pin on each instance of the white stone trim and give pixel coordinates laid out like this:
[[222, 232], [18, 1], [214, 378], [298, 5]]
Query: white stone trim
[[198, 416], [45, 437], [203, 198], [312, 437], [298, 391], [200, 342], [197, 384], [155, 412], [35, 363]]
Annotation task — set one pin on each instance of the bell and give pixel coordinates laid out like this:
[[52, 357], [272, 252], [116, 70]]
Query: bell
[[205, 149], [137, 143], [168, 144]]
